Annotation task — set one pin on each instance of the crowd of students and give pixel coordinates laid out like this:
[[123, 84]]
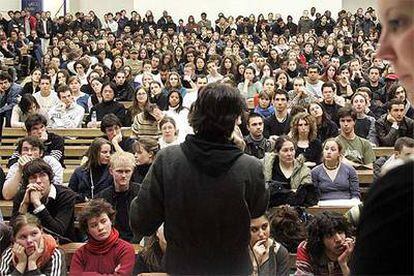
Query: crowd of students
[[315, 97]]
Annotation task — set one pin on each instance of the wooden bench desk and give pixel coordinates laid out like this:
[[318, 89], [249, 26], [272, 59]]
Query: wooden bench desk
[[383, 151], [365, 176], [64, 132], [70, 151], [6, 207], [314, 210]]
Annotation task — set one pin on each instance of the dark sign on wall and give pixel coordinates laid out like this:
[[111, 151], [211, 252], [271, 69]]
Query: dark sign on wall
[[32, 5]]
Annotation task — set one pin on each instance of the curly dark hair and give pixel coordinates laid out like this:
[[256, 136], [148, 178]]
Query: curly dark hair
[[286, 227], [324, 225], [94, 208]]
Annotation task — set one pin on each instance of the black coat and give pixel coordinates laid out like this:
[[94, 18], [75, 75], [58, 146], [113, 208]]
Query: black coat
[[121, 202], [104, 108], [205, 193]]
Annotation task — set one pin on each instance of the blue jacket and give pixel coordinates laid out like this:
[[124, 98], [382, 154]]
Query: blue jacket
[[8, 101], [80, 182]]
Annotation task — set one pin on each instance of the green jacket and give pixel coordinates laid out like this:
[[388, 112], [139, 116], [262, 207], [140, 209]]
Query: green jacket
[[301, 173]]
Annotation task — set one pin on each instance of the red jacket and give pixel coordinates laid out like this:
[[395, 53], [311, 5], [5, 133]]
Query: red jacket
[[86, 264]]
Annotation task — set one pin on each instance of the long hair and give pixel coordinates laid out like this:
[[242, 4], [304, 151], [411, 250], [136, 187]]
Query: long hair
[[26, 102], [134, 109], [180, 103], [325, 115], [294, 126], [168, 83], [214, 113], [324, 225], [93, 153]]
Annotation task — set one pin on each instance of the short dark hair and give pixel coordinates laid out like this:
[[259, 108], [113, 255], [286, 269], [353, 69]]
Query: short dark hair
[[63, 89], [111, 84], [215, 111], [329, 84], [33, 141], [201, 76], [366, 90], [281, 140], [110, 120], [347, 111], [253, 115], [94, 208], [281, 92], [36, 166], [324, 225], [403, 142], [314, 66], [392, 102], [34, 119], [46, 77], [374, 68], [5, 76]]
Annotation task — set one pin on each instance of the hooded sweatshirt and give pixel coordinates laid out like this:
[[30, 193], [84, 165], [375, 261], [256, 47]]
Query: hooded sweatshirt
[[206, 193]]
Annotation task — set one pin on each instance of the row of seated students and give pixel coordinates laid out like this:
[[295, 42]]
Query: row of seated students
[[65, 110], [291, 161], [31, 248], [307, 129]]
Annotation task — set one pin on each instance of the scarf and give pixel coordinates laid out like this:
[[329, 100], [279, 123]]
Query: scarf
[[102, 247], [50, 245]]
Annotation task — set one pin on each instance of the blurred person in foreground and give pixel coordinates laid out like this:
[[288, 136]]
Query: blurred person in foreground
[[385, 234]]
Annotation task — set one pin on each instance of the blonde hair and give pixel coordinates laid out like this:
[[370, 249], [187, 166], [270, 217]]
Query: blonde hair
[[119, 158]]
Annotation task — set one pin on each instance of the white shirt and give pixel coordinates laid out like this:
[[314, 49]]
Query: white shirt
[[190, 97], [46, 103]]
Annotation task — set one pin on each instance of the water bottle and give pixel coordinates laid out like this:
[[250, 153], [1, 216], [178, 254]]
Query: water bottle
[[93, 118]]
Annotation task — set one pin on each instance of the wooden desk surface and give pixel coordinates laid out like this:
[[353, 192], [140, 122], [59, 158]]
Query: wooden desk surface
[[6, 207], [69, 132], [318, 209]]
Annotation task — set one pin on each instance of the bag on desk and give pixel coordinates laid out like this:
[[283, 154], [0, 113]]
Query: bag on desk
[[306, 195], [278, 194]]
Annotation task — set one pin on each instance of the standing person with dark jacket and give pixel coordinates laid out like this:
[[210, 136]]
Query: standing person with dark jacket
[[207, 209]]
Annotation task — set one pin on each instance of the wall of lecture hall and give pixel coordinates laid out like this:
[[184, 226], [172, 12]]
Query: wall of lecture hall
[[183, 8]]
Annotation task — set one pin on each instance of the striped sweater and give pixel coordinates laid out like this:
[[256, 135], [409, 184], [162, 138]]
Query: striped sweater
[[55, 267]]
